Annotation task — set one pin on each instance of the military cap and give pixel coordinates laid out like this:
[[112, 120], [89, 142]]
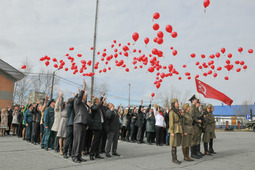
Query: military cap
[[49, 102], [209, 106], [174, 100], [184, 107], [192, 98]]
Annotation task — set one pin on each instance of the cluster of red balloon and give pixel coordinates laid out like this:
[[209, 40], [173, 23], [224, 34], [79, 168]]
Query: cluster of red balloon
[[150, 62]]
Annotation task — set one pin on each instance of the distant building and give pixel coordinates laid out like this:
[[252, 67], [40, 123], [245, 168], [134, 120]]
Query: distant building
[[36, 96], [8, 76], [232, 114]]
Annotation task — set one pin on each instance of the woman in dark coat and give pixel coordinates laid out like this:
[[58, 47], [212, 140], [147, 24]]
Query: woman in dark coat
[[126, 120], [150, 125]]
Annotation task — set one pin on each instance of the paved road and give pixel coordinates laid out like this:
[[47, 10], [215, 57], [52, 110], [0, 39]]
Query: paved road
[[235, 150]]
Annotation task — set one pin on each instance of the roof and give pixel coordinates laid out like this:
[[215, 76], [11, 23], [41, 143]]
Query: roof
[[234, 110], [11, 71]]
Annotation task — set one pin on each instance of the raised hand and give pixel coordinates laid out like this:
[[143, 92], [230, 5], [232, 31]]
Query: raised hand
[[141, 102], [103, 93]]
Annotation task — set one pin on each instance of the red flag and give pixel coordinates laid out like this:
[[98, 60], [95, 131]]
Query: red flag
[[210, 92]]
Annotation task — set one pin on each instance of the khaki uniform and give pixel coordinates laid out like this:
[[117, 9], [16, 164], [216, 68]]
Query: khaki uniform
[[187, 128], [175, 127], [209, 128], [197, 126]]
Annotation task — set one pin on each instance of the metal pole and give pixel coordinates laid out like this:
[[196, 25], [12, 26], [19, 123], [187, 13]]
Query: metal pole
[[52, 84], [129, 95], [94, 51]]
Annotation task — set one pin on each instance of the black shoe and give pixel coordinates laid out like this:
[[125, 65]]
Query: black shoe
[[82, 160], [108, 155], [212, 151], [116, 154], [75, 160], [91, 157], [99, 157], [195, 156], [65, 156], [46, 149]]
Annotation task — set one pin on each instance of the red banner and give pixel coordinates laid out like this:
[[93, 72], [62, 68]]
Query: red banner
[[209, 92]]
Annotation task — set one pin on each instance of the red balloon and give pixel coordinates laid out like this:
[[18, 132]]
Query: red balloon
[[174, 52], [135, 67], [229, 55], [125, 48], [205, 74], [250, 51], [104, 70], [89, 62], [169, 28], [197, 76], [206, 3], [245, 67], [66, 69], [23, 67], [202, 56], [212, 67], [162, 75], [156, 15], [241, 63], [126, 54], [228, 61], [160, 40], [179, 78], [55, 65], [135, 36], [114, 41], [217, 54], [152, 94], [155, 26], [100, 71], [155, 39], [112, 45], [160, 53], [226, 77], [223, 50], [193, 55], [240, 49], [215, 75], [47, 63], [91, 48], [174, 34], [200, 67], [127, 69], [237, 62], [184, 66], [187, 74], [209, 72], [212, 56], [151, 69], [154, 51], [238, 70], [164, 67], [146, 40], [219, 68], [160, 34], [171, 48], [71, 48], [79, 55], [197, 63], [170, 67], [189, 78]]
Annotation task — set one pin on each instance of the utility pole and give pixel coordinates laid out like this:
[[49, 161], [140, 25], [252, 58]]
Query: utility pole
[[52, 83], [129, 94], [94, 52]]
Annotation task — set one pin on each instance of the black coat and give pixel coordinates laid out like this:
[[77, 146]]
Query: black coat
[[81, 110], [140, 118], [112, 121], [20, 117], [70, 112], [96, 116]]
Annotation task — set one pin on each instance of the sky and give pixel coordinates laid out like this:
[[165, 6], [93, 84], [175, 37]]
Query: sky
[[32, 29]]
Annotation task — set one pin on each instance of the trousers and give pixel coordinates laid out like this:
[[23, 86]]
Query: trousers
[[112, 142]]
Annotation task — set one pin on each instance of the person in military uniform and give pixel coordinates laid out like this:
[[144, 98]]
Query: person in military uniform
[[48, 121], [187, 132], [175, 129], [209, 126], [196, 115], [212, 129]]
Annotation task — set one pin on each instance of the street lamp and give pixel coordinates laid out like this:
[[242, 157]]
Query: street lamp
[[52, 83]]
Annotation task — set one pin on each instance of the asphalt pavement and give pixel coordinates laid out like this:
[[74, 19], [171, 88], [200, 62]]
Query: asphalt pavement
[[235, 151]]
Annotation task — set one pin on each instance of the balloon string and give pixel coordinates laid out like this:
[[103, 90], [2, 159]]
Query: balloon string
[[204, 10]]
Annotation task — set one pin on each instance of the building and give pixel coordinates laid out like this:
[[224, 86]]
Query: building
[[8, 76], [232, 115], [36, 96]]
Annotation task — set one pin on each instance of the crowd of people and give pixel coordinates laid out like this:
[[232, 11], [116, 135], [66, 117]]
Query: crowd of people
[[79, 127]]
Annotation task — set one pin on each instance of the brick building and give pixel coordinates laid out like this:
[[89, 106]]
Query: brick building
[[8, 76]]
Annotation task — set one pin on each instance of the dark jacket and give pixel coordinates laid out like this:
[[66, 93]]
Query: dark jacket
[[28, 117], [48, 117], [81, 110], [20, 117], [133, 117], [140, 118], [150, 123], [167, 120], [96, 116], [126, 119], [70, 112], [112, 121]]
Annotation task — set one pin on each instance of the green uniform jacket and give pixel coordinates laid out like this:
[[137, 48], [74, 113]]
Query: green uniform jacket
[[175, 123], [49, 117], [209, 122], [195, 114], [187, 124], [24, 111]]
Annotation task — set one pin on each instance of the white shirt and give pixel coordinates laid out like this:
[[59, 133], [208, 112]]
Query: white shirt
[[160, 120]]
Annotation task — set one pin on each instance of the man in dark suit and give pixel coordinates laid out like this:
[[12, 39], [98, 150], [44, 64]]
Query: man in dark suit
[[113, 128], [104, 133], [97, 122], [81, 110], [139, 123]]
